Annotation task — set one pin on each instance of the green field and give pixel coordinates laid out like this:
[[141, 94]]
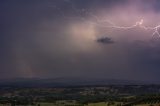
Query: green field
[[97, 104], [75, 104]]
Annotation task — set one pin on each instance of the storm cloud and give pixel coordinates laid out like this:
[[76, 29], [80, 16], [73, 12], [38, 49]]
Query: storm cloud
[[105, 40], [60, 38]]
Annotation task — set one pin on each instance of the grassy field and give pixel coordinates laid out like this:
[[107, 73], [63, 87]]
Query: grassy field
[[62, 103], [97, 104], [148, 105], [90, 104]]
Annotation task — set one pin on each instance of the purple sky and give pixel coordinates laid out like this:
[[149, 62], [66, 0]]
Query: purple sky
[[75, 38]]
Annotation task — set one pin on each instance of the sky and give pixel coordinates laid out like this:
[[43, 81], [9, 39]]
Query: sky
[[113, 39]]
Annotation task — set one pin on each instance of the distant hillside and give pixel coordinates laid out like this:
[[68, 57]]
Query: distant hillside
[[63, 82]]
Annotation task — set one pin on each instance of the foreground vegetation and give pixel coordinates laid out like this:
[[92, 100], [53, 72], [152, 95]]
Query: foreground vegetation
[[111, 95]]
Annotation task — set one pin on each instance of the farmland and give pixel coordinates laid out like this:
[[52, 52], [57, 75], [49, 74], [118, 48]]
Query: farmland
[[110, 95]]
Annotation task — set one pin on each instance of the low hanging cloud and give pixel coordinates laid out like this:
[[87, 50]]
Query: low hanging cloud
[[105, 40]]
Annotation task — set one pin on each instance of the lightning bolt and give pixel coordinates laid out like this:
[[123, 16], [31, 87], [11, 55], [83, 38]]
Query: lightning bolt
[[138, 23], [111, 24]]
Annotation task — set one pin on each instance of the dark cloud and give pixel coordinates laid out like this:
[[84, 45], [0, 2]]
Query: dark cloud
[[105, 40], [57, 38]]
